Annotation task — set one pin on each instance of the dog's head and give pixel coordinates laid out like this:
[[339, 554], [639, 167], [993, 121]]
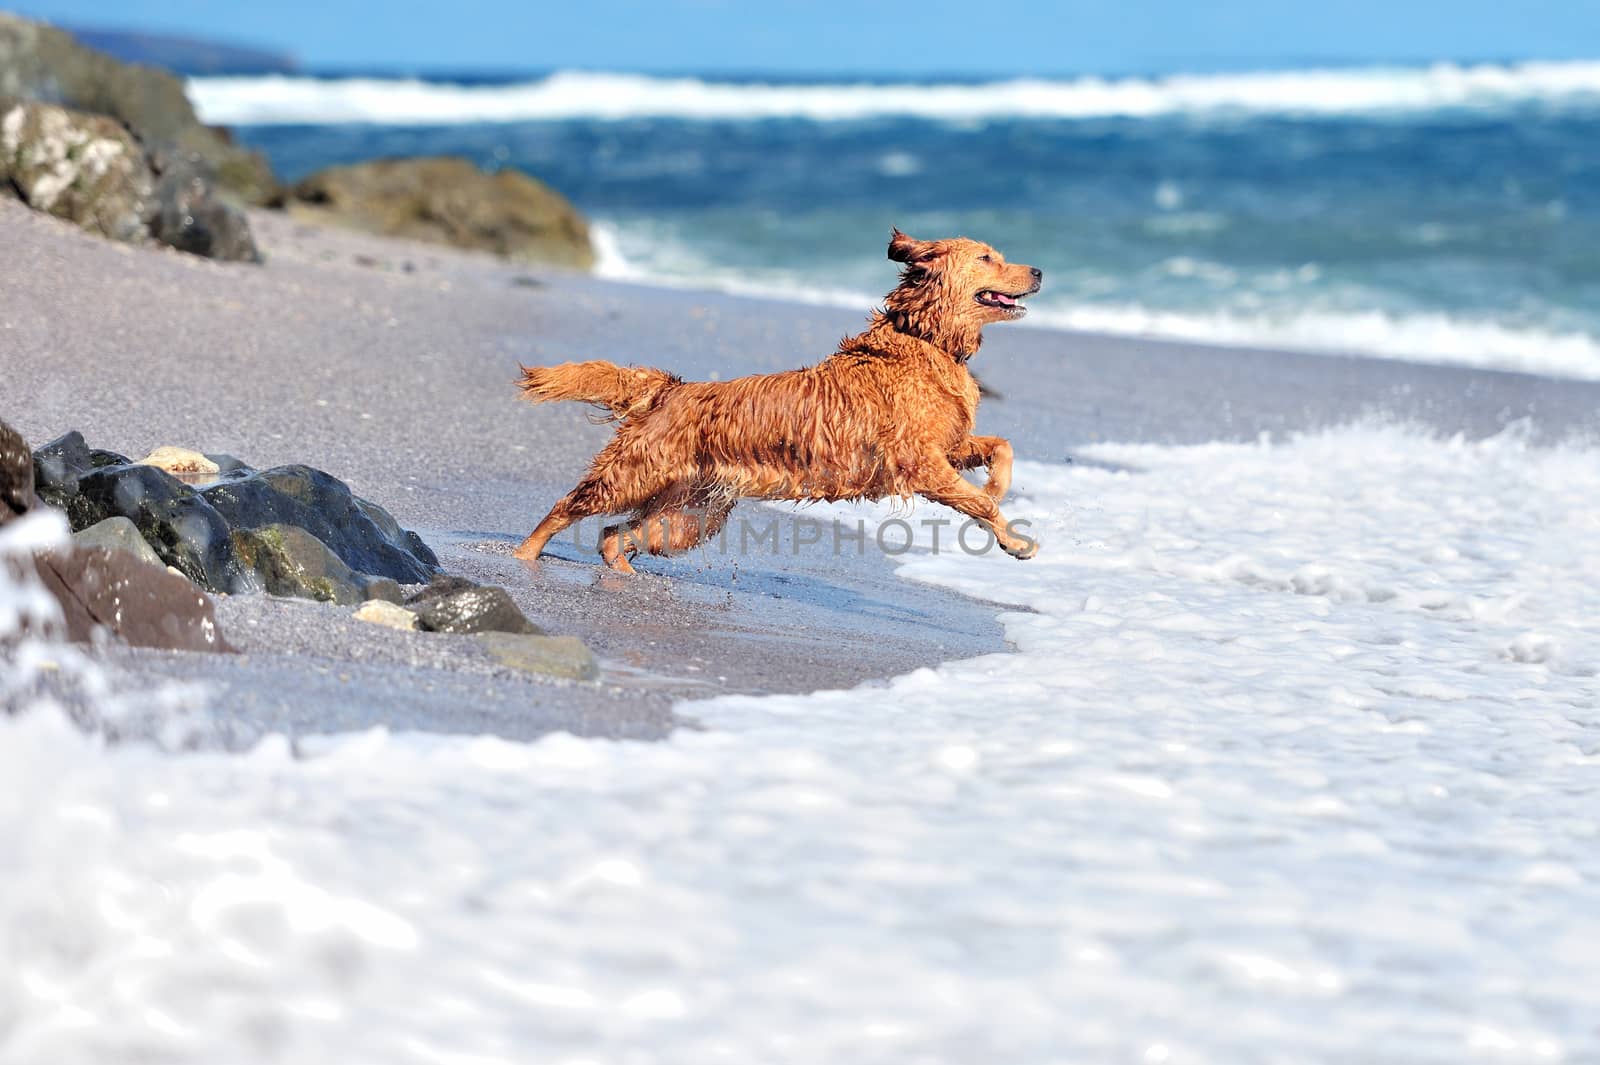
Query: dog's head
[[950, 289]]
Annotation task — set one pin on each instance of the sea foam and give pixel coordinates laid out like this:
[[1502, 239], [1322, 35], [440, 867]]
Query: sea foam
[[587, 95], [1300, 734]]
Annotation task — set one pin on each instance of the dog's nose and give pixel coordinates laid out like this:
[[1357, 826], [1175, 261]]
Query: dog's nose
[[1038, 274]]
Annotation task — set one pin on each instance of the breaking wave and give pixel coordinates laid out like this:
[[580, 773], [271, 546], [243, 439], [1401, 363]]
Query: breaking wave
[[280, 100]]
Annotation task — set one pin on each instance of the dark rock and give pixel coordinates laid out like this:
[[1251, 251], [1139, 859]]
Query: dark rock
[[292, 530], [58, 465], [80, 167], [552, 656], [185, 530], [290, 561], [16, 474], [454, 604], [118, 534], [228, 466], [188, 213], [99, 459], [139, 604], [40, 62], [449, 201], [361, 534]]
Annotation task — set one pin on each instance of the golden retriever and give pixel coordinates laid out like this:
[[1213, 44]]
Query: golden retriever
[[889, 414]]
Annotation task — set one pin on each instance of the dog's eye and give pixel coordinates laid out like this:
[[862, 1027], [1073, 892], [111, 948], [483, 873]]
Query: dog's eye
[[986, 258]]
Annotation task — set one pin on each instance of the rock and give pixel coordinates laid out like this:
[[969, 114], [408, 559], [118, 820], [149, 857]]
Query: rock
[[188, 213], [180, 462], [88, 170], [40, 62], [552, 656], [380, 612], [80, 167], [293, 530], [118, 534], [447, 200], [227, 465], [16, 474], [184, 529], [58, 465], [362, 534], [289, 561], [139, 604], [454, 604]]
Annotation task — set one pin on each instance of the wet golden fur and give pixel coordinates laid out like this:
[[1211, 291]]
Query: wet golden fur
[[889, 414]]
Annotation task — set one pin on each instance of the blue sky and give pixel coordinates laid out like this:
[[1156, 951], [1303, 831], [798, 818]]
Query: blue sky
[[868, 36]]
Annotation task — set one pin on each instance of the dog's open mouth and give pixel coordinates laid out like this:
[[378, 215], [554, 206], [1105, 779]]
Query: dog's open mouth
[[1003, 301]]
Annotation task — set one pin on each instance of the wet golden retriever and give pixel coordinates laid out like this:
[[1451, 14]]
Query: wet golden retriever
[[888, 414]]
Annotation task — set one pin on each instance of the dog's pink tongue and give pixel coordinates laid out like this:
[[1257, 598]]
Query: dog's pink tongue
[[1001, 297]]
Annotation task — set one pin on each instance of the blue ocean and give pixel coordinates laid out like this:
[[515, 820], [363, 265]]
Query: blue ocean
[[1443, 213]]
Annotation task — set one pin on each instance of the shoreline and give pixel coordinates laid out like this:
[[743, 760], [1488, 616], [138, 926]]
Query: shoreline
[[390, 365]]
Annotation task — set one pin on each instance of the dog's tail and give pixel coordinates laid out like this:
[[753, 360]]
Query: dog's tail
[[623, 390]]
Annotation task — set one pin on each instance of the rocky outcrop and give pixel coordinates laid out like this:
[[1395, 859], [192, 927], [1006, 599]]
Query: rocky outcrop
[[106, 590], [87, 169], [449, 201], [290, 531], [39, 62]]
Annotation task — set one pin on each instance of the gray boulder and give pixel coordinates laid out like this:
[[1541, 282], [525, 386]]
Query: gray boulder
[[118, 534]]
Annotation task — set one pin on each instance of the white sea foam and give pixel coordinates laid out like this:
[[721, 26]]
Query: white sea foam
[[1299, 735], [573, 94]]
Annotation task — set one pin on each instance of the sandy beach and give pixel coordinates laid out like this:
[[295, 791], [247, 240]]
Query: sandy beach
[[390, 365]]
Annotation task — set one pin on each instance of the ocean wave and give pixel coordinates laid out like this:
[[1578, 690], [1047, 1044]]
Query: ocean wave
[[278, 100], [1417, 336]]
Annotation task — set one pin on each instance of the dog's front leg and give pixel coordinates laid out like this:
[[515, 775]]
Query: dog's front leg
[[991, 451], [942, 483]]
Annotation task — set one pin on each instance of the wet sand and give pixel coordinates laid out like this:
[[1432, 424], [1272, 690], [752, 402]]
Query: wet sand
[[391, 366]]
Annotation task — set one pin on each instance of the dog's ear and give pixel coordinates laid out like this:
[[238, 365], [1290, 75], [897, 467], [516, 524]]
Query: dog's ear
[[904, 249]]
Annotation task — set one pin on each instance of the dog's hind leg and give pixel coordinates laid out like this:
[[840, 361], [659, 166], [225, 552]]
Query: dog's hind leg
[[675, 521]]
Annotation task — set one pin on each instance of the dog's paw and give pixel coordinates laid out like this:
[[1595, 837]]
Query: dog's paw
[[1024, 550]]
